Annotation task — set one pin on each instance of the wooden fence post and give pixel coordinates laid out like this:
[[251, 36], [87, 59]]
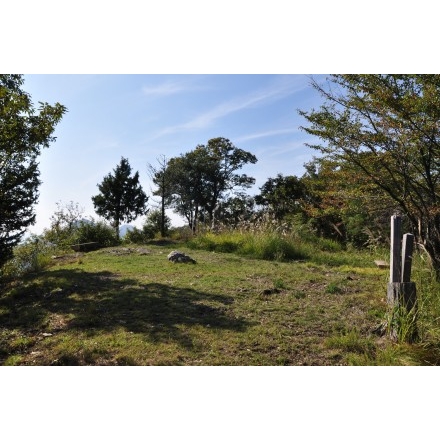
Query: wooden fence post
[[401, 292]]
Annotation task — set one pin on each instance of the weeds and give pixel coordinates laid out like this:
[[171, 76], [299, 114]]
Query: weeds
[[402, 324]]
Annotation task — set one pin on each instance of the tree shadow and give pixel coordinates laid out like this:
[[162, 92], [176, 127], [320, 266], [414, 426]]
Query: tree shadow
[[97, 302]]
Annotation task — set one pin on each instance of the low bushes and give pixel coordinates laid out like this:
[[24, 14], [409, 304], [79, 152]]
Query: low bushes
[[82, 232], [31, 256]]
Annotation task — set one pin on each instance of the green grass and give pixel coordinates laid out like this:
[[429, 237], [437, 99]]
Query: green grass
[[264, 246], [131, 308]]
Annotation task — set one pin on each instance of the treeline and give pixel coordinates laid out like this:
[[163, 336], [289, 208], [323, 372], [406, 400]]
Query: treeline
[[205, 187]]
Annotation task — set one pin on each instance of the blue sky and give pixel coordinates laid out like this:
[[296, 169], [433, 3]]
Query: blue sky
[[142, 117]]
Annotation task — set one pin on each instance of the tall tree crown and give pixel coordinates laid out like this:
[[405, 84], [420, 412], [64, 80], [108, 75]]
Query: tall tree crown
[[388, 127], [121, 197], [24, 131]]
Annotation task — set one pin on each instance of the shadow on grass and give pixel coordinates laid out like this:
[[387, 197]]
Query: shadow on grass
[[102, 302]]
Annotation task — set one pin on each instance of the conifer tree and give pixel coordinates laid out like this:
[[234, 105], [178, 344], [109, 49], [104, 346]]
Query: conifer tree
[[121, 197], [23, 133]]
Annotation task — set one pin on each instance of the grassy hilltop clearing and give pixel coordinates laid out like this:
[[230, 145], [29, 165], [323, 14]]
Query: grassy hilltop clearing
[[284, 275], [128, 305]]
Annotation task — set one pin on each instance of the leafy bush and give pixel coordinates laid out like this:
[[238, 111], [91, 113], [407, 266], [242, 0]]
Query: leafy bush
[[31, 256], [83, 231], [150, 229], [139, 236], [94, 231]]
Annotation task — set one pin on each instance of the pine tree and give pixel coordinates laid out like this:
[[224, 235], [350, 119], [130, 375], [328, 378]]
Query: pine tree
[[121, 198]]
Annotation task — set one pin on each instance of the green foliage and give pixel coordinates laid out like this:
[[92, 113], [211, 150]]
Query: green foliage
[[233, 211], [23, 133], [385, 127], [31, 256], [353, 342], [341, 204], [97, 231], [138, 236], [281, 195], [162, 178], [64, 223], [334, 288], [402, 324], [204, 176], [69, 227], [154, 225], [121, 197]]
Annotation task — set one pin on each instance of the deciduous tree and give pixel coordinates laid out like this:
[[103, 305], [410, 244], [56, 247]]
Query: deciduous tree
[[388, 127], [206, 176], [160, 175], [281, 195]]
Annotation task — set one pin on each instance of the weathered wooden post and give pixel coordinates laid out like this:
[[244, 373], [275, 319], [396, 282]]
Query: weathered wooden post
[[407, 250], [396, 227], [401, 292]]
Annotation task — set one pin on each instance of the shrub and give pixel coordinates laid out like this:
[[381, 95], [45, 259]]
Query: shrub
[[139, 236], [83, 231], [94, 231], [31, 256]]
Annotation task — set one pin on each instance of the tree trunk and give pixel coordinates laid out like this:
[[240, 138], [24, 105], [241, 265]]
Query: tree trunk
[[117, 230], [162, 220]]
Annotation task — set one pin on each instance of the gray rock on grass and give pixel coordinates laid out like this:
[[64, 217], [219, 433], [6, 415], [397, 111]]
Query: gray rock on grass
[[180, 257]]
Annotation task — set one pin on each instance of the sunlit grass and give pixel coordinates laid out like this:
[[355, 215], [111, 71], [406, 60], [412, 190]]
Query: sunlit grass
[[231, 308]]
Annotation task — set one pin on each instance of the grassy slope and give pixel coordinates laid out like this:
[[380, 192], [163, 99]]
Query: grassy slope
[[128, 308]]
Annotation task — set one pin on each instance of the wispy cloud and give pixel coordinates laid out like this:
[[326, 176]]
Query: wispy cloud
[[165, 89], [269, 152], [174, 86], [260, 97], [264, 134]]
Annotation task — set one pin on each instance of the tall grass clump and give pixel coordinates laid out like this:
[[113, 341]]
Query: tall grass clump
[[259, 245], [271, 246], [428, 300]]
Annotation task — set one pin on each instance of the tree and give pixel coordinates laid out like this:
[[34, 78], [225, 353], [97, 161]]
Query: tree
[[235, 210], [223, 160], [24, 132], [342, 204], [155, 223], [281, 195], [121, 198], [187, 186], [64, 222], [163, 181], [387, 127], [206, 176]]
